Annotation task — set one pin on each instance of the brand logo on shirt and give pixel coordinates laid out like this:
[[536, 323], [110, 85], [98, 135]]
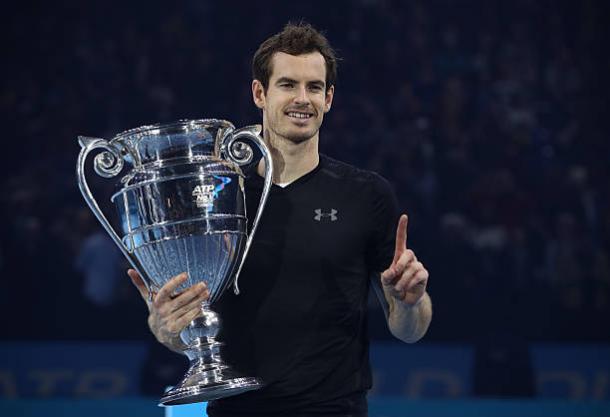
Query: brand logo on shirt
[[332, 216]]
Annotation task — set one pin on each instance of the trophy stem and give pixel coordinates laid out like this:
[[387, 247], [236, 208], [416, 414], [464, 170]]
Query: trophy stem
[[208, 377]]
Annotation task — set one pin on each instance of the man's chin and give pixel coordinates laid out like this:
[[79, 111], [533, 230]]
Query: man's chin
[[299, 137]]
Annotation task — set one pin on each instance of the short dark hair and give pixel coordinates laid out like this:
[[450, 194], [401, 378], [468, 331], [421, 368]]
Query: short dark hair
[[295, 39]]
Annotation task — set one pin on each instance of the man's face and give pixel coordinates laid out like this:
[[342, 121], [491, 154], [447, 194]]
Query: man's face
[[296, 98]]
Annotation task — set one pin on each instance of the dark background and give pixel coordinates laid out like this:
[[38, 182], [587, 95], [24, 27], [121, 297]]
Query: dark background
[[489, 118]]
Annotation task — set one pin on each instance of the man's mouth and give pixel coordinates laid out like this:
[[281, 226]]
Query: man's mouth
[[299, 115]]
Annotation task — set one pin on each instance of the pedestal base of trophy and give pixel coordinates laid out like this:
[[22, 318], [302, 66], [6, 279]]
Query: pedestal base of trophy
[[208, 390], [207, 378]]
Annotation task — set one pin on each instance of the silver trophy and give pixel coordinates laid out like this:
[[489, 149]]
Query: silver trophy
[[182, 208]]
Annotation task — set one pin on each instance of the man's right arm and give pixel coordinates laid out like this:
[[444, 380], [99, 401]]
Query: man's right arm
[[169, 313]]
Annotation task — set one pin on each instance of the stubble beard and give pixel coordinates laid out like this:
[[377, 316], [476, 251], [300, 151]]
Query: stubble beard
[[294, 137], [297, 139]]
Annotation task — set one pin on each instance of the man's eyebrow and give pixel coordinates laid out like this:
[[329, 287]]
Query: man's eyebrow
[[290, 80], [317, 83], [285, 80]]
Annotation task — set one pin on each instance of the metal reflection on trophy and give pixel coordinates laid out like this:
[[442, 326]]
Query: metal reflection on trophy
[[181, 205]]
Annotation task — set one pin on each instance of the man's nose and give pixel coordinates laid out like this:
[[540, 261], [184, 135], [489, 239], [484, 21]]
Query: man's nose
[[301, 95]]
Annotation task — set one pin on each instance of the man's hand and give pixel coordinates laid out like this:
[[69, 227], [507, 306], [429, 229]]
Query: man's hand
[[406, 279], [169, 313]]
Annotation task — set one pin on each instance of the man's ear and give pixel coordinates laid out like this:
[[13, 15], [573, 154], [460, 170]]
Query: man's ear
[[328, 101], [258, 94]]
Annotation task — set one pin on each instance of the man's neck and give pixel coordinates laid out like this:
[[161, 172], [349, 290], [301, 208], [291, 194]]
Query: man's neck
[[290, 160]]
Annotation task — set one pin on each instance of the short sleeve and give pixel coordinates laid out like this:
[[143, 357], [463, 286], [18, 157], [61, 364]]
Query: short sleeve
[[383, 219]]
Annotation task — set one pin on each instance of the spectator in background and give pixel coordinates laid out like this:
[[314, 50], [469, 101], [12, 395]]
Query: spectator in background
[[99, 261]]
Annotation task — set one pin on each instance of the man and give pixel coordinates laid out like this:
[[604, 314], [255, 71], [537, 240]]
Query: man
[[328, 228]]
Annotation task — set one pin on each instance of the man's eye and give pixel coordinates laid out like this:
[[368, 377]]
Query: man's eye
[[286, 85]]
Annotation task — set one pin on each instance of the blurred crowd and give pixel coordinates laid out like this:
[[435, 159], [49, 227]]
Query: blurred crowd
[[486, 117]]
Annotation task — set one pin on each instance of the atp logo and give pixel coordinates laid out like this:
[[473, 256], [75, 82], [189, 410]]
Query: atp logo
[[332, 216], [204, 195]]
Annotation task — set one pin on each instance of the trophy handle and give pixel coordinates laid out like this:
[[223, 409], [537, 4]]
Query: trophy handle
[[240, 152], [107, 164]]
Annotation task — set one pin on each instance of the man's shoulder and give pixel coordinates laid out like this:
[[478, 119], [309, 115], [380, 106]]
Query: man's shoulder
[[344, 171]]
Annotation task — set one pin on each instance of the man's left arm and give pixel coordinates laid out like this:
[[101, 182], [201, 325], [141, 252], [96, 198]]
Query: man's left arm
[[404, 287]]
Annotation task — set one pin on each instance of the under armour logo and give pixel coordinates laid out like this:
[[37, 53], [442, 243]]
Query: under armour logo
[[332, 215]]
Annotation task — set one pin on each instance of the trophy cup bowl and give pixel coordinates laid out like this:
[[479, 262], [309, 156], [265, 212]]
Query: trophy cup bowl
[[182, 208]]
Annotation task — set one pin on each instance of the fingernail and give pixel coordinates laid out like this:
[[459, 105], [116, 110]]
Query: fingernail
[[201, 286]]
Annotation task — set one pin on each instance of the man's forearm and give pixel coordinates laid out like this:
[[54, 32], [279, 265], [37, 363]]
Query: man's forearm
[[409, 324]]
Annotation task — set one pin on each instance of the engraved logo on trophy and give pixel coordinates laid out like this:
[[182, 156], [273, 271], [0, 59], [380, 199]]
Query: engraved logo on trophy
[[204, 195], [168, 169]]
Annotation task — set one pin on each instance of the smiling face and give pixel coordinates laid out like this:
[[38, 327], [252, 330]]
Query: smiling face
[[296, 98]]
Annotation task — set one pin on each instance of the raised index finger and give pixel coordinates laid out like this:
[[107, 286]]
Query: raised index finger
[[401, 237], [165, 293]]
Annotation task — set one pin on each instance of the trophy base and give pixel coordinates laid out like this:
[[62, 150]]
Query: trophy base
[[209, 391], [208, 377]]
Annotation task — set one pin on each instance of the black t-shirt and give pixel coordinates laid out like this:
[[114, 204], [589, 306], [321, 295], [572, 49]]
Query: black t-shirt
[[299, 323]]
